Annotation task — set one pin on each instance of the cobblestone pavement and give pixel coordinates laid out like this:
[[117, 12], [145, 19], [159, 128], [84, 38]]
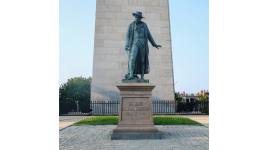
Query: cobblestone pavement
[[180, 137]]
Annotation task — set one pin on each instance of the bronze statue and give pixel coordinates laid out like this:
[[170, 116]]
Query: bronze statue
[[137, 37]]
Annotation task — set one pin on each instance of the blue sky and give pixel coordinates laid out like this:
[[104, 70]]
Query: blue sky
[[189, 21]]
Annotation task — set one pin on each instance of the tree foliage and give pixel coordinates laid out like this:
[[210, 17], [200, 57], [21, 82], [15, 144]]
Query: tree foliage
[[77, 88], [177, 97], [204, 105], [203, 98]]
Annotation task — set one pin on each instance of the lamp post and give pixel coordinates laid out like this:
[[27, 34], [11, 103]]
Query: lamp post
[[175, 84]]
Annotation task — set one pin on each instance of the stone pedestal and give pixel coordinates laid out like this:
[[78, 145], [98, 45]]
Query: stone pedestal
[[135, 112]]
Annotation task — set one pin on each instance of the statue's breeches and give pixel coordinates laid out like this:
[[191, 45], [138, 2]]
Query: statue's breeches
[[137, 53]]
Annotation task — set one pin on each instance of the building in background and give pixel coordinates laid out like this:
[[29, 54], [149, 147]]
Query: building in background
[[191, 97]]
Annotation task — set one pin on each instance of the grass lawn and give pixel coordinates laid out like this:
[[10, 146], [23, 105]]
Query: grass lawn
[[158, 120]]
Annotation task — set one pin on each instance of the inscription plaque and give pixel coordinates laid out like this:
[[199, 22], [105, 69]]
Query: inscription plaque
[[135, 108], [135, 114], [135, 104]]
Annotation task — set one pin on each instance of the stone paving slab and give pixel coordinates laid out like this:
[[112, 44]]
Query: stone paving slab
[[174, 137]]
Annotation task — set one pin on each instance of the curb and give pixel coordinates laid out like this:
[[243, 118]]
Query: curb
[[65, 127], [205, 125]]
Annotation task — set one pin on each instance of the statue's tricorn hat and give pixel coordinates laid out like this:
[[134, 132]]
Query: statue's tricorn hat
[[138, 13]]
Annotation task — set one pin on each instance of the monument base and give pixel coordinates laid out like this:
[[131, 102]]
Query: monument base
[[136, 80], [136, 129], [135, 113], [135, 135]]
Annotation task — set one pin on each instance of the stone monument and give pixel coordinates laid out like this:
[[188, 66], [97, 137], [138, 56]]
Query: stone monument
[[110, 59], [136, 111]]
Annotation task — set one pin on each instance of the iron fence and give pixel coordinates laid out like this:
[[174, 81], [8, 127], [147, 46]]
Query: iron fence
[[105, 108], [66, 107], [175, 107], [160, 107]]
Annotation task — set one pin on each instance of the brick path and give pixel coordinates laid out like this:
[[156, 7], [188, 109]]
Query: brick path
[[179, 137]]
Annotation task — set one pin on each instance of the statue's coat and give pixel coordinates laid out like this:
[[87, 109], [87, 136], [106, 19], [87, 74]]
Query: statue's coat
[[129, 42]]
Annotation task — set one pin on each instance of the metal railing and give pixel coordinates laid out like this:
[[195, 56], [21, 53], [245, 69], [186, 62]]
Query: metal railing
[[160, 107]]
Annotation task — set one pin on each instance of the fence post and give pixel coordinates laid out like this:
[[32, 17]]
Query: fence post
[[102, 107], [157, 108], [166, 106], [117, 110], [77, 106], [59, 108], [90, 107], [208, 107], [169, 106]]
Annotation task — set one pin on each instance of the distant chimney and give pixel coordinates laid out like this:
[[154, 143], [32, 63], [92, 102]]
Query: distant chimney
[[183, 93], [197, 93], [201, 91]]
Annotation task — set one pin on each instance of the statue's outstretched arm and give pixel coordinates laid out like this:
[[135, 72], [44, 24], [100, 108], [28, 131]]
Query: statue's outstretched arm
[[151, 39]]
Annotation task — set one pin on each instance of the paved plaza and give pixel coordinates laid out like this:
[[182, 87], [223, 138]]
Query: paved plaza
[[174, 137]]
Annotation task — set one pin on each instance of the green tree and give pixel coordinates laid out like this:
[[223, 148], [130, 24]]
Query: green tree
[[204, 105], [203, 98], [177, 97], [77, 88]]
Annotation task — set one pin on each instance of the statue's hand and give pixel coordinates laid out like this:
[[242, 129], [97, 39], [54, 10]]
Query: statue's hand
[[126, 48], [158, 46]]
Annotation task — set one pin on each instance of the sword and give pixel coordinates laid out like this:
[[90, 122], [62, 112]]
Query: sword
[[128, 62], [127, 54]]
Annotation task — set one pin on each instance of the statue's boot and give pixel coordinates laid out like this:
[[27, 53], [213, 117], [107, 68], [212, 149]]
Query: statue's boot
[[142, 74], [142, 70], [130, 78]]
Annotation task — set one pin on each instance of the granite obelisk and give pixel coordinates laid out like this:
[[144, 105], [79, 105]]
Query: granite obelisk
[[110, 61]]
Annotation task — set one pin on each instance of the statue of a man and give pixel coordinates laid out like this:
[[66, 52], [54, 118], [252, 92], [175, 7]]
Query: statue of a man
[[137, 37]]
